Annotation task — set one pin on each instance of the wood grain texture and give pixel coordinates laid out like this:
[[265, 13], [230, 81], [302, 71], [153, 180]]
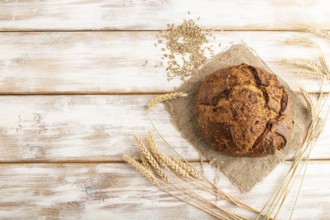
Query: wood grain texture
[[116, 191], [155, 14], [89, 128], [114, 62], [69, 47]]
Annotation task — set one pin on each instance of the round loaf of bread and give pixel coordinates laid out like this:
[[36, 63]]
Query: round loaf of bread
[[244, 111]]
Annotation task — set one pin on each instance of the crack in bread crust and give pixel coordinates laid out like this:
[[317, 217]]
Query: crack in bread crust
[[257, 80]]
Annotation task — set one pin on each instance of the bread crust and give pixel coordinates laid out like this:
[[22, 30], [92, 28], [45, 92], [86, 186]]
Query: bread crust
[[244, 111]]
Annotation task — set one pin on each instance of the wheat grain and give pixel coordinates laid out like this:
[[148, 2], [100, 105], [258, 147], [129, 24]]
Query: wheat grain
[[185, 40], [151, 160], [147, 173], [165, 97], [188, 168]]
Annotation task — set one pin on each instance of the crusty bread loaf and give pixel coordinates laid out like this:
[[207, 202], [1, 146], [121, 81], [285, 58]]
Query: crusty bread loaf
[[244, 111]]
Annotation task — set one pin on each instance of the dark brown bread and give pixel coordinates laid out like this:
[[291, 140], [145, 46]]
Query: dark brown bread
[[244, 111]]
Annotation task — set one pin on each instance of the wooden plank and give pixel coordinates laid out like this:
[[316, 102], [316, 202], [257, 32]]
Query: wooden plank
[[114, 62], [152, 14], [89, 128], [116, 191]]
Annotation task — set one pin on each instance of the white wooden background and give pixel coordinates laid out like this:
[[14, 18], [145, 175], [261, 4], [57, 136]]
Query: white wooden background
[[73, 90]]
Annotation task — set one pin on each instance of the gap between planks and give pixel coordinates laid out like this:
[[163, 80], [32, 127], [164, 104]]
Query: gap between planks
[[193, 162], [77, 93], [70, 93], [146, 30]]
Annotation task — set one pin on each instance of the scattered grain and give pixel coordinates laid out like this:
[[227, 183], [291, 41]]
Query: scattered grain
[[185, 40]]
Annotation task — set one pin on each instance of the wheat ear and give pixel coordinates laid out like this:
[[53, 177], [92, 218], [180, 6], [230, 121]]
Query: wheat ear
[[324, 64], [302, 42], [191, 193], [151, 159], [319, 71], [307, 64], [165, 97], [325, 67], [147, 173], [145, 162], [318, 31], [230, 198], [163, 158], [185, 169], [283, 190], [174, 166], [188, 168], [310, 74], [150, 139]]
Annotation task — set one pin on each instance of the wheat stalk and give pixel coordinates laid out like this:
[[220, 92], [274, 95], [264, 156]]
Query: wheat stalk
[[202, 199], [147, 173], [151, 159], [307, 96], [311, 141], [279, 197], [189, 201], [187, 193], [203, 186], [165, 97], [227, 196], [180, 167]]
